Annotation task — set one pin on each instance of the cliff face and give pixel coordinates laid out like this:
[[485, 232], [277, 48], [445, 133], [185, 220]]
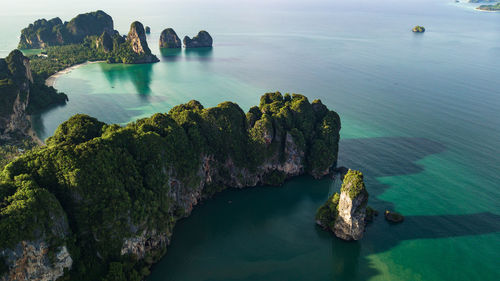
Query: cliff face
[[203, 39], [169, 39], [344, 214], [124, 188], [15, 95], [43, 33], [30, 260], [105, 42], [137, 39], [21, 95]]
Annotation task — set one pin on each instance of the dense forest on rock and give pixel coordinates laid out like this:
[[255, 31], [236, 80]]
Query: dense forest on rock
[[112, 194], [87, 37]]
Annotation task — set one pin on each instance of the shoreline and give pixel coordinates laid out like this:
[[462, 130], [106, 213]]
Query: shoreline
[[492, 11], [51, 81]]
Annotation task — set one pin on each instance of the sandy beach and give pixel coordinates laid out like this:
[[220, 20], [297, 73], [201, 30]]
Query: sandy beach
[[51, 81]]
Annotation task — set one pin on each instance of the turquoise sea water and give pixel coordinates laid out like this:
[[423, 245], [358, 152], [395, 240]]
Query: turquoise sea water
[[419, 116]]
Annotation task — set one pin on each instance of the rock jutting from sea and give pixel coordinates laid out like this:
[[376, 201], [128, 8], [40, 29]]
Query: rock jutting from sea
[[418, 29], [344, 214], [137, 39], [202, 40], [112, 194], [169, 39]]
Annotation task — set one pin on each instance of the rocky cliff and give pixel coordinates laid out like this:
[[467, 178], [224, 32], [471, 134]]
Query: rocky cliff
[[203, 39], [124, 188], [20, 95], [169, 39], [15, 95], [137, 39], [105, 42], [43, 33], [344, 214]]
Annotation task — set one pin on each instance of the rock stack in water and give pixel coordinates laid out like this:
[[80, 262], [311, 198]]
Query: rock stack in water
[[203, 39], [344, 214], [137, 38], [169, 39]]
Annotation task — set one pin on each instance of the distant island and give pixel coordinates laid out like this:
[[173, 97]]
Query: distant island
[[87, 37], [100, 201], [418, 29], [482, 1], [492, 8], [23, 93]]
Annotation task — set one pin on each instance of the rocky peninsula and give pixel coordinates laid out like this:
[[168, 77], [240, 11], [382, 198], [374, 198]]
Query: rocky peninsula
[[101, 200]]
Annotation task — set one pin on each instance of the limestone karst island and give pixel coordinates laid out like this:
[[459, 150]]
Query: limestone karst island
[[249, 140]]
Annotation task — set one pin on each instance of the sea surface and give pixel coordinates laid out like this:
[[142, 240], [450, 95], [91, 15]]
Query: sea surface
[[420, 117]]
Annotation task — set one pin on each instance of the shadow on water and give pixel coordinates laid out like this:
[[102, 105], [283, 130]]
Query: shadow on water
[[139, 74], [37, 120], [199, 54], [349, 259], [282, 213], [386, 156], [171, 54]]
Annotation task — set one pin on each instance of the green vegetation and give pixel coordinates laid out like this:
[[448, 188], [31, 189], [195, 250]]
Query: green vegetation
[[54, 32], [113, 182], [87, 37], [328, 212], [17, 90], [93, 49], [418, 29], [353, 183], [492, 8], [10, 151]]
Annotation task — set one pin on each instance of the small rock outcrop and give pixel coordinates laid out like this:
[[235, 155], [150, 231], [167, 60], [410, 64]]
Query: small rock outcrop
[[418, 29], [393, 217], [137, 39], [169, 39], [203, 39], [344, 214], [148, 30]]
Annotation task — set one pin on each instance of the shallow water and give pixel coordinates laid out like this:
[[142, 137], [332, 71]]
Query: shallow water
[[419, 114]]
